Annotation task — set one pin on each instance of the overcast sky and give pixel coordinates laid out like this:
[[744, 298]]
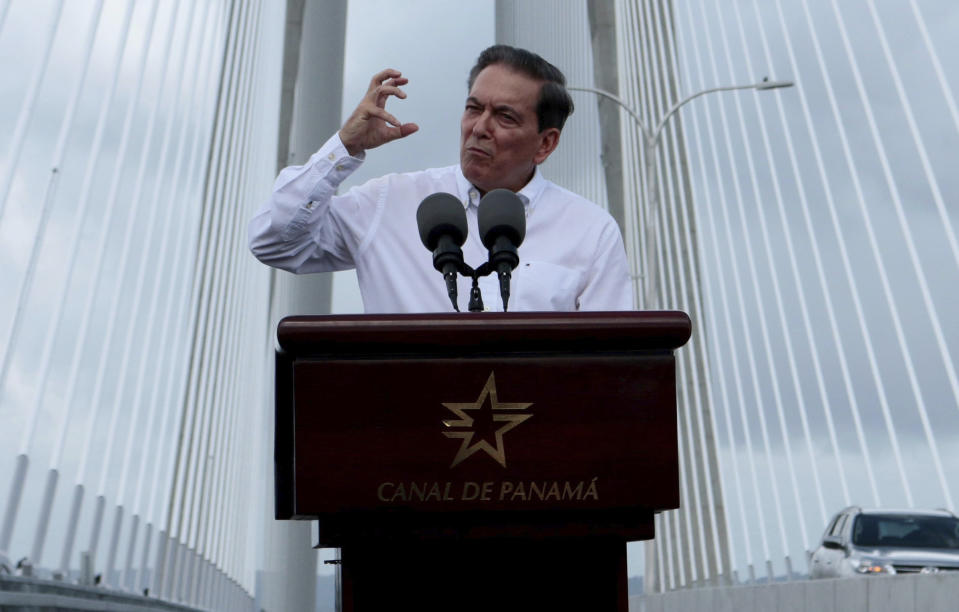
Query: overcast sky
[[435, 42], [853, 173]]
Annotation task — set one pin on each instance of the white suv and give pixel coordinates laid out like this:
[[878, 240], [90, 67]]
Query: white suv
[[861, 542]]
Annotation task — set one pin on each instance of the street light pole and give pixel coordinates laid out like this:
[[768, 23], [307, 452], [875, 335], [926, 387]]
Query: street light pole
[[650, 298], [648, 293]]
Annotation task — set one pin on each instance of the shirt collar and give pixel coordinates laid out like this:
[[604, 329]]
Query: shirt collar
[[529, 194]]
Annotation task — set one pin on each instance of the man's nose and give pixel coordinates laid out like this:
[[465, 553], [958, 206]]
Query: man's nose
[[481, 125]]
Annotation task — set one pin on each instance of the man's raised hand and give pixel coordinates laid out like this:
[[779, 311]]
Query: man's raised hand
[[370, 125]]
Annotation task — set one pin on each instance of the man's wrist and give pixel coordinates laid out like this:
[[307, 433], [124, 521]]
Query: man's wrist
[[353, 149]]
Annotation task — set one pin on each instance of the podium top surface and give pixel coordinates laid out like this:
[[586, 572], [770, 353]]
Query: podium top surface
[[621, 330]]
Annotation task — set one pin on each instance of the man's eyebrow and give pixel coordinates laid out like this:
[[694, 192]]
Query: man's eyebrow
[[499, 107], [507, 108]]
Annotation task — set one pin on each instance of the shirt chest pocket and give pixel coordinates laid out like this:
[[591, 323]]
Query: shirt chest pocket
[[539, 285]]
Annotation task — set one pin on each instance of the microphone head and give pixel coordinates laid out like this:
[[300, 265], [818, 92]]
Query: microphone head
[[441, 214], [501, 213]]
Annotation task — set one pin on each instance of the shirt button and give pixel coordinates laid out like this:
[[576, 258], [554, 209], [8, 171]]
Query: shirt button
[[339, 168], [309, 205], [473, 194], [331, 157]]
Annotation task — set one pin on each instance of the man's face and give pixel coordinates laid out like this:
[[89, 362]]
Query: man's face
[[500, 141]]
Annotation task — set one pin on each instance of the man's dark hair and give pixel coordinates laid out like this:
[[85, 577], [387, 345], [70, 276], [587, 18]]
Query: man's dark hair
[[554, 104]]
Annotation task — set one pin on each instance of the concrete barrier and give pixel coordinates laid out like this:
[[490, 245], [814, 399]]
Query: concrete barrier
[[914, 593], [30, 594]]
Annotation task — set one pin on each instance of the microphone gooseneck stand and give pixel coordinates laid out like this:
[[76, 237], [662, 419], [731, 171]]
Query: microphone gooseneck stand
[[448, 259], [442, 225], [476, 296]]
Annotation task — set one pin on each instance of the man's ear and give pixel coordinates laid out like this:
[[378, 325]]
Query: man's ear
[[548, 141]]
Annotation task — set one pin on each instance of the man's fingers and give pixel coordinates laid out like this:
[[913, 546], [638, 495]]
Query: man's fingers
[[363, 129], [386, 83], [383, 75], [381, 113], [382, 92], [386, 73], [402, 131]]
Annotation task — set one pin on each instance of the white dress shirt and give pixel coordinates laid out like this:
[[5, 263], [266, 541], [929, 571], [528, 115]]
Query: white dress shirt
[[572, 258]]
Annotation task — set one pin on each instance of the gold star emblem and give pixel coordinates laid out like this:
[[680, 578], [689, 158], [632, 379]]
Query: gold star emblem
[[499, 412]]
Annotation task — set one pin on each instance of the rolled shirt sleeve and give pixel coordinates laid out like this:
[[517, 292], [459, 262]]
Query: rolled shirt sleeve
[[304, 227]]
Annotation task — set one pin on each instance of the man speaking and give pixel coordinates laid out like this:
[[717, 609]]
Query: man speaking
[[572, 257]]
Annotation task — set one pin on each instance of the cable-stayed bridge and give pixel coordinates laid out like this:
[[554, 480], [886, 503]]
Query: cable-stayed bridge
[[808, 230]]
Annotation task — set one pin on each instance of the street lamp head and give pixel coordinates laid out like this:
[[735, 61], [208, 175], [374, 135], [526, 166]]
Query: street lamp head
[[766, 84]]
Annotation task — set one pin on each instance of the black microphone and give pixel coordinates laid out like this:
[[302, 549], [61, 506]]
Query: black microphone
[[502, 226], [441, 220]]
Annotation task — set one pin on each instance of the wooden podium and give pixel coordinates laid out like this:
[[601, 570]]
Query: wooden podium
[[485, 461]]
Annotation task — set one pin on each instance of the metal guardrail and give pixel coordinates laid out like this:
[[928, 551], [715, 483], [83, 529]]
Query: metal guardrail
[[925, 593], [28, 593]]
